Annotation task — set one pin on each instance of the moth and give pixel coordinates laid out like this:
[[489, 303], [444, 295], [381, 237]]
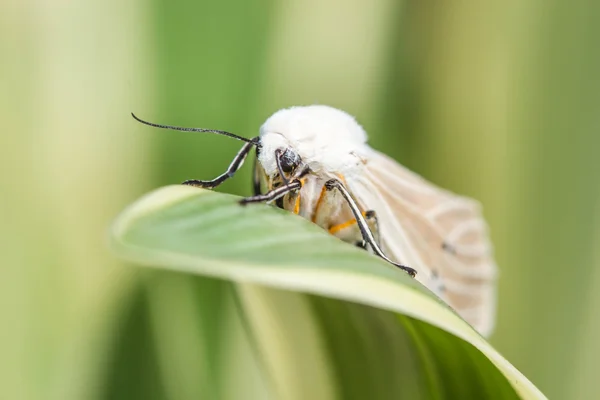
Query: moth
[[315, 162]]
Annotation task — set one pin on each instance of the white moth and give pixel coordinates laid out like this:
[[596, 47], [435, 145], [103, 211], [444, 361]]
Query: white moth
[[314, 161]]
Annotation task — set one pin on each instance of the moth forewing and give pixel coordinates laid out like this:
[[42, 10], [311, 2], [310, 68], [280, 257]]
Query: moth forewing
[[440, 234]]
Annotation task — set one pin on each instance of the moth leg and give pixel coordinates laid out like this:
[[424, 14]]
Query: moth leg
[[236, 164], [351, 223], [363, 225], [272, 194], [294, 199], [362, 244], [371, 217], [256, 175]]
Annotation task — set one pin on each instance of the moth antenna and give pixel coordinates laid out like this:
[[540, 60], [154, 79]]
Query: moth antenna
[[179, 128]]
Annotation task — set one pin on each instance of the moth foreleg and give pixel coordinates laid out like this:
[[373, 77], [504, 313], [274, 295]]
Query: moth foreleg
[[256, 175], [235, 165], [273, 194]]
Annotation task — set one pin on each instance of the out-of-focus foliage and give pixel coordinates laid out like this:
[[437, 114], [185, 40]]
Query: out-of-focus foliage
[[497, 100]]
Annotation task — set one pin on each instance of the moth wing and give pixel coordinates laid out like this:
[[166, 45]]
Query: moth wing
[[440, 234]]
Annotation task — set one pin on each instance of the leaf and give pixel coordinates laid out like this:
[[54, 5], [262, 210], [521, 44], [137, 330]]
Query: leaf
[[203, 232]]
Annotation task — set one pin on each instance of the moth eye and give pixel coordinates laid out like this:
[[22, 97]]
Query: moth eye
[[289, 160]]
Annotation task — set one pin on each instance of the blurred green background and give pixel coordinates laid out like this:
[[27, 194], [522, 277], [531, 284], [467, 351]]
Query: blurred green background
[[497, 100]]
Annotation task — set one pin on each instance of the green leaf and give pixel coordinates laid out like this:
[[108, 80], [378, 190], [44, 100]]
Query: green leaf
[[366, 326]]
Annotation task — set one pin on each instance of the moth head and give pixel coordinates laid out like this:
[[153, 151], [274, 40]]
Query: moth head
[[277, 155], [323, 138], [288, 160]]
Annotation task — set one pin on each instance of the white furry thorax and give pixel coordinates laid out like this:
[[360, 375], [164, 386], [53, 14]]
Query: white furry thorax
[[328, 140]]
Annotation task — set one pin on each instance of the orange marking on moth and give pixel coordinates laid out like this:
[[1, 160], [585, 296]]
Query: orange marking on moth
[[342, 178], [297, 203], [336, 228], [319, 201]]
